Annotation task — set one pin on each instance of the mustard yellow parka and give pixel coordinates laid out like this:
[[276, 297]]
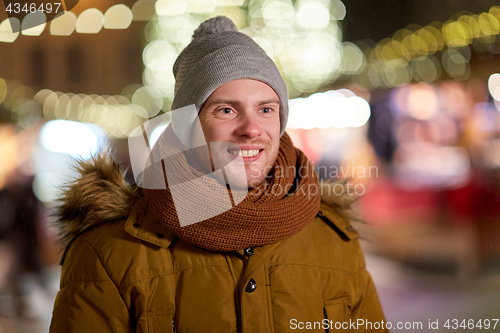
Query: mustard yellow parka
[[130, 274]]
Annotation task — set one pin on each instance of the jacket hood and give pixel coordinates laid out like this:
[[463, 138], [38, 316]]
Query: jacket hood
[[101, 194]]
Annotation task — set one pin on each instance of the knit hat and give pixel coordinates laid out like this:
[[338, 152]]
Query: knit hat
[[218, 54]]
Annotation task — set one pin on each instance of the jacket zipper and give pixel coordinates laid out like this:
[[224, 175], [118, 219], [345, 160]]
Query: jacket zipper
[[325, 316]]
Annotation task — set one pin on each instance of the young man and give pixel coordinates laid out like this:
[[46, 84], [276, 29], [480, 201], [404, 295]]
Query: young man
[[275, 259]]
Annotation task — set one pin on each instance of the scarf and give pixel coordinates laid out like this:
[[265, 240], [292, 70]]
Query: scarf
[[278, 208]]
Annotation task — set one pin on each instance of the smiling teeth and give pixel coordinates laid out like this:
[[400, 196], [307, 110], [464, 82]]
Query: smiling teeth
[[244, 153]]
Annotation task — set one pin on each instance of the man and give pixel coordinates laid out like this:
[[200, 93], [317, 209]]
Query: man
[[175, 256]]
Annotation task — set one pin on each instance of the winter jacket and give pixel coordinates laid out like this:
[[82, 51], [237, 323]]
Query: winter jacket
[[133, 275]]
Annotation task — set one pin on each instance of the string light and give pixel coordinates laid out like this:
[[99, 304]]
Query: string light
[[90, 21], [6, 27], [118, 17], [282, 28], [63, 25], [33, 24], [417, 46]]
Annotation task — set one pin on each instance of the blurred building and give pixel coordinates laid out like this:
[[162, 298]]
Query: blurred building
[[89, 60]]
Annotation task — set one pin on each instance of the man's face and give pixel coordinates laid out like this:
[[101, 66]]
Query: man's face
[[246, 113]]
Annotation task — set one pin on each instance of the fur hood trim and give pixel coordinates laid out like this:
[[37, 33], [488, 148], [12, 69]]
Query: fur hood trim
[[340, 201], [101, 194]]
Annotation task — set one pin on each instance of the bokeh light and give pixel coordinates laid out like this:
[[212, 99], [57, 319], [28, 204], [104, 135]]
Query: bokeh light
[[201, 6], [457, 34], [33, 24], [118, 17], [63, 24], [353, 60], [29, 114], [428, 50], [313, 15], [90, 21], [143, 10], [396, 72], [422, 101], [170, 7], [49, 105], [69, 137], [3, 90], [334, 108], [159, 55], [18, 94], [494, 86], [426, 69], [6, 28], [149, 99], [456, 64], [9, 148], [362, 111]]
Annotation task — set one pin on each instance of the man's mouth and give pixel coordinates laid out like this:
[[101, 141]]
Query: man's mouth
[[245, 153]]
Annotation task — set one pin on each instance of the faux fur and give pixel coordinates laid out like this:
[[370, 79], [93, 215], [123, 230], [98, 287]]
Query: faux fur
[[340, 195], [99, 194]]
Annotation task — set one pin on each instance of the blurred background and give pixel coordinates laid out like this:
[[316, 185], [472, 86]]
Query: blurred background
[[401, 97]]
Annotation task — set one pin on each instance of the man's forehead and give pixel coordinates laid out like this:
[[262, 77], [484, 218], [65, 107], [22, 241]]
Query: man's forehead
[[238, 102], [239, 89]]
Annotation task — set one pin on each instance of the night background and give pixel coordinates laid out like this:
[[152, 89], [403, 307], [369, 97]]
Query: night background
[[408, 90]]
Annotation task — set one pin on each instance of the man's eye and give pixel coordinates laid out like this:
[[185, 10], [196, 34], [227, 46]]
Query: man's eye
[[226, 110], [267, 110]]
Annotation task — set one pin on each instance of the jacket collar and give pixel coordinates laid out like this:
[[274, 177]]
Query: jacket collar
[[143, 224], [100, 194]]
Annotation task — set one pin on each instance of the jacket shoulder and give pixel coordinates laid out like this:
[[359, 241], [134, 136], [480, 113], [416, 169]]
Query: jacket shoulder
[[128, 249], [336, 207], [338, 222], [323, 243]]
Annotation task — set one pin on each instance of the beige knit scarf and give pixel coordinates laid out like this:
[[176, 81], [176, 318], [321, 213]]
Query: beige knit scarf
[[267, 214]]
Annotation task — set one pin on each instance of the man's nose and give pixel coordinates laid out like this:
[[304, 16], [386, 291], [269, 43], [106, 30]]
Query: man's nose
[[248, 126]]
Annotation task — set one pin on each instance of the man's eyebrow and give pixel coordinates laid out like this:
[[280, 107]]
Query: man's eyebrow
[[271, 101], [222, 101], [230, 102]]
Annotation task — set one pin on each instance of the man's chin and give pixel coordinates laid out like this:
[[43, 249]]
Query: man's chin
[[243, 184], [253, 183], [239, 182]]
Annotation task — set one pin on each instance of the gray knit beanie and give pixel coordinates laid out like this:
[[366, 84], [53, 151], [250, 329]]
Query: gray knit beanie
[[218, 54]]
